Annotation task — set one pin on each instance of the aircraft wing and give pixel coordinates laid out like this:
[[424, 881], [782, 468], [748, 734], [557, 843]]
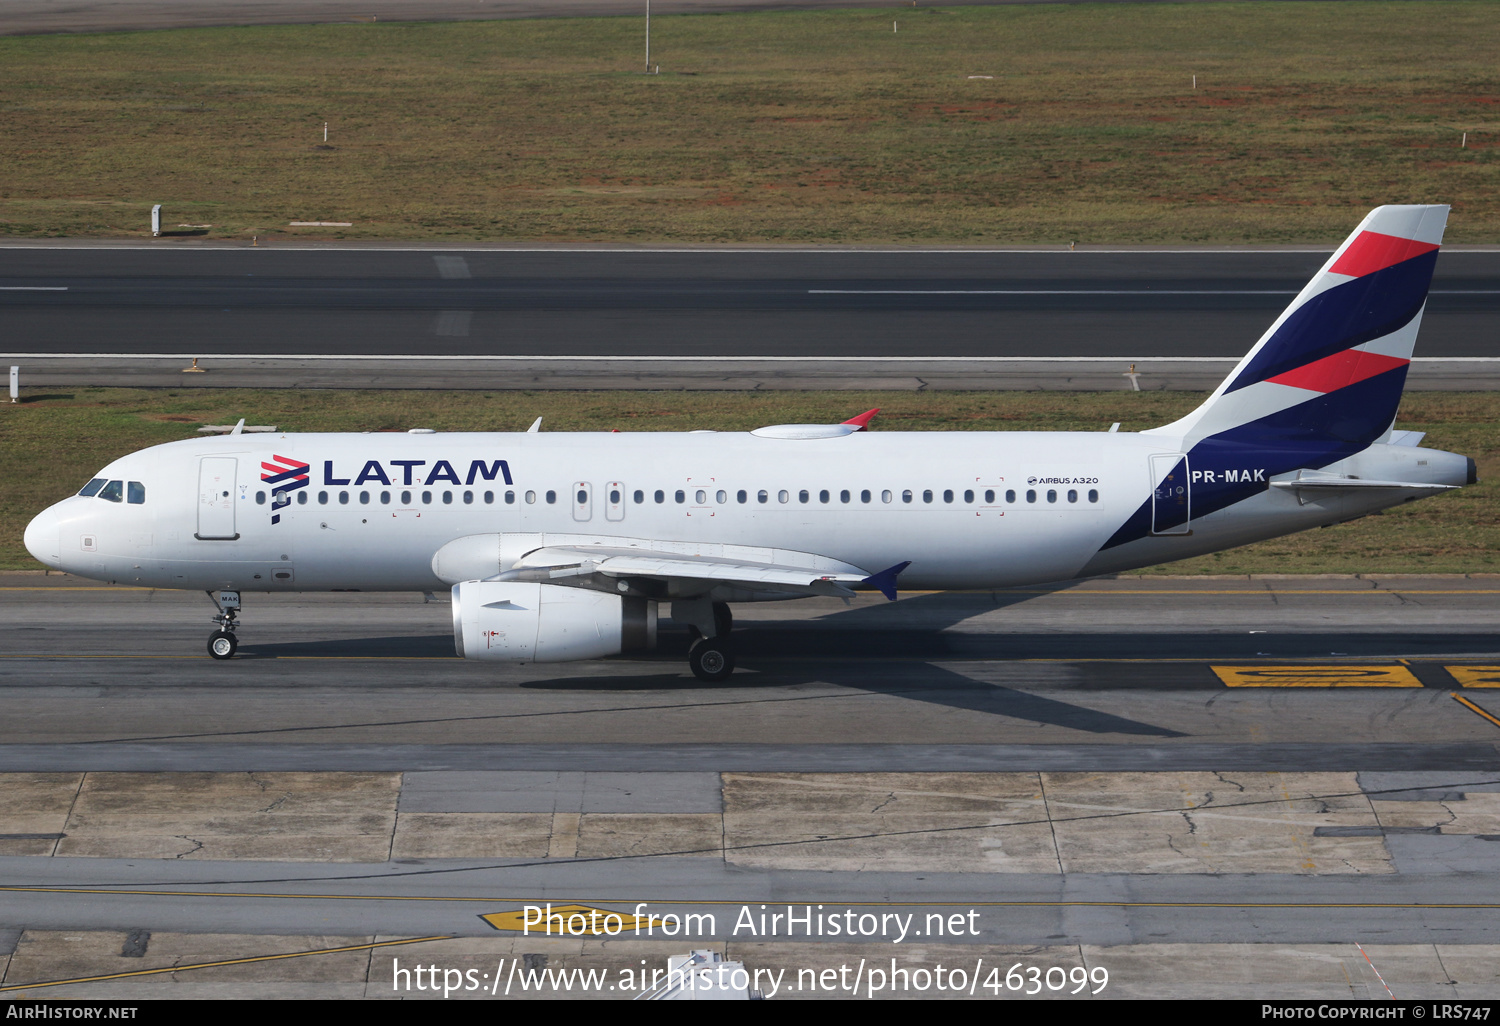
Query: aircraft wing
[[670, 568], [810, 575]]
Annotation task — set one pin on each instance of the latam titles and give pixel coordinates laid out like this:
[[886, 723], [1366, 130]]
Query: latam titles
[[419, 472]]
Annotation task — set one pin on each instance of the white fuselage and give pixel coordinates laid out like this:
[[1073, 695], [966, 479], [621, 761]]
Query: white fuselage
[[375, 508]]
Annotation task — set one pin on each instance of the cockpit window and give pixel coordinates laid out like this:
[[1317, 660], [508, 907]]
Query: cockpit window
[[135, 493], [92, 487], [114, 491]]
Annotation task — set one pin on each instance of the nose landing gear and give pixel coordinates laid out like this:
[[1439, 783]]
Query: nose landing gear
[[222, 643]]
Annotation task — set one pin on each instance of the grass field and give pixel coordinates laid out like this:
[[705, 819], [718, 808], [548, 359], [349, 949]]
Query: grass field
[[1048, 123], [51, 444]]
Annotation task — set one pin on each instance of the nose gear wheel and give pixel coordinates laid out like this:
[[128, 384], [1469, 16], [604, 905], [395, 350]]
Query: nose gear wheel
[[222, 644]]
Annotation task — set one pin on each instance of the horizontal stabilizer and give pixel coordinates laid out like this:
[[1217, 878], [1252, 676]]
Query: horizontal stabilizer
[[1347, 483]]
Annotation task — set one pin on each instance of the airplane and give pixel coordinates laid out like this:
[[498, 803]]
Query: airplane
[[562, 546]]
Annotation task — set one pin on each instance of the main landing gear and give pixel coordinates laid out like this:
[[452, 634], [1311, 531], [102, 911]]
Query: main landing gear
[[710, 657], [222, 643]]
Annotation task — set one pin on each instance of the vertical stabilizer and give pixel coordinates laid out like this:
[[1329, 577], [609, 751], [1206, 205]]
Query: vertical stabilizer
[[1329, 373]]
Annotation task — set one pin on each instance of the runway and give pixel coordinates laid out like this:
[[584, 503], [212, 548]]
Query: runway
[[20, 17], [1150, 775], [723, 318]]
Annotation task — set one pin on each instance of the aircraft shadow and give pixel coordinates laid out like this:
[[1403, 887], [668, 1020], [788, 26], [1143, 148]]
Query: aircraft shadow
[[418, 646], [893, 651], [914, 680]]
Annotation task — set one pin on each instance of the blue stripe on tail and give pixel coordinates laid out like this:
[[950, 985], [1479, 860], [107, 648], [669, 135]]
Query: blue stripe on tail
[[1347, 315]]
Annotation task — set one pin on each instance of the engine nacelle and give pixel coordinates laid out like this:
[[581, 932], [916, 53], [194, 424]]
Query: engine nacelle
[[518, 622]]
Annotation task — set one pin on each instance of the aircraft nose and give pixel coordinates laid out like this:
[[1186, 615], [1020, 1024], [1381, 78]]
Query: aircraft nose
[[43, 537]]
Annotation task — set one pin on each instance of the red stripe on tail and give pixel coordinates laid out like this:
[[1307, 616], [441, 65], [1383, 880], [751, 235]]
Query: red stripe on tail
[[1339, 370], [1372, 252]]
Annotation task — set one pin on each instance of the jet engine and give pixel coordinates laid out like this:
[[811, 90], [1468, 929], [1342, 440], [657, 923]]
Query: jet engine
[[520, 622]]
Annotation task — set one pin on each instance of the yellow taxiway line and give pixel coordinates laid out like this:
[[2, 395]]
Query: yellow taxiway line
[[1461, 700]]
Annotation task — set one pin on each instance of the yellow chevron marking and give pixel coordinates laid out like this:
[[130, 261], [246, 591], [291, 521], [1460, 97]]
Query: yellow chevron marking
[[1476, 676], [566, 920], [1316, 676]]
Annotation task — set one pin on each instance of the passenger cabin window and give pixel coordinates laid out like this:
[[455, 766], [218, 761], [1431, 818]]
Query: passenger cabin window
[[343, 498], [864, 496], [364, 498], [660, 496], [906, 495], [1093, 495], [406, 498], [823, 495], [742, 496], [640, 497], [802, 496], [426, 498], [989, 495], [551, 496], [260, 498], [510, 498], [322, 498], [302, 498], [968, 496], [530, 498], [113, 492], [385, 498], [762, 496], [927, 495], [1010, 495], [948, 495], [1051, 494], [1031, 495], [680, 495], [783, 496], [468, 498], [92, 488], [448, 498]]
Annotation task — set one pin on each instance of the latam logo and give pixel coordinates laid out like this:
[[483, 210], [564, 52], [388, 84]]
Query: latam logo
[[418, 472], [285, 475]]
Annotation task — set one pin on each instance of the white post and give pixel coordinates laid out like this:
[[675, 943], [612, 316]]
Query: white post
[[325, 131], [648, 37], [15, 384], [156, 220], [1465, 144], [1195, 81]]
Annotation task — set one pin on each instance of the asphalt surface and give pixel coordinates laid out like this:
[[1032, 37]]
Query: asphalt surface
[[1106, 674], [34, 16], [1087, 682], [717, 304]]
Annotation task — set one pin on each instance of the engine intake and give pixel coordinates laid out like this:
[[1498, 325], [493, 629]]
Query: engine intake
[[519, 622]]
